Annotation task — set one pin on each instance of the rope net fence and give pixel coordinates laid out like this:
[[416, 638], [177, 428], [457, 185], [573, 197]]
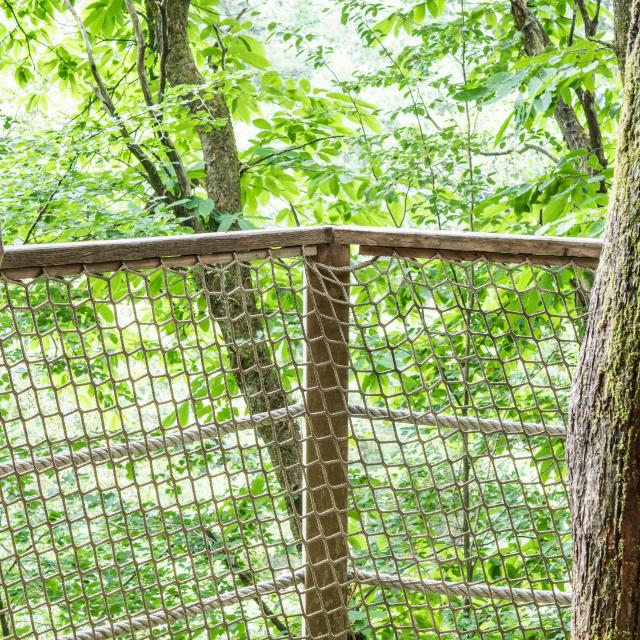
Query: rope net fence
[[286, 446]]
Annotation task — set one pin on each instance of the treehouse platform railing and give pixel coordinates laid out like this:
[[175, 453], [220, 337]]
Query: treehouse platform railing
[[312, 433]]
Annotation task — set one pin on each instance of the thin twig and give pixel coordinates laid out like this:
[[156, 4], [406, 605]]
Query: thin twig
[[246, 167], [45, 207], [152, 173], [223, 48], [573, 24], [527, 146]]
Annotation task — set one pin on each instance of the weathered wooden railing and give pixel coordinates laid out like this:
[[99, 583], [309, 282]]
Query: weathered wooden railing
[[131, 367]]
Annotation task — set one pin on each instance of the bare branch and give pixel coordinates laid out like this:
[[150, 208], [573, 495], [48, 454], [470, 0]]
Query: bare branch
[[153, 176], [141, 46], [573, 25], [536, 40], [587, 100], [527, 146], [590, 24], [163, 136], [223, 48], [586, 97]]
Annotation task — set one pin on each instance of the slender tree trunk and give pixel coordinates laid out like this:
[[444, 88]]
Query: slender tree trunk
[[232, 302], [604, 429], [535, 41]]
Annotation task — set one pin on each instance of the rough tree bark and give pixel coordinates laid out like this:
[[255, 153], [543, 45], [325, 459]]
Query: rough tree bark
[[621, 22], [235, 314], [604, 428]]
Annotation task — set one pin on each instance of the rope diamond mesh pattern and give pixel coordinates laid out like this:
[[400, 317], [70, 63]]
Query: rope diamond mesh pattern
[[154, 449]]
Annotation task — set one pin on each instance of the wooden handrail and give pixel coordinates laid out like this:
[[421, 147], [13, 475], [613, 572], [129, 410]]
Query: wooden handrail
[[23, 261], [467, 245], [133, 249]]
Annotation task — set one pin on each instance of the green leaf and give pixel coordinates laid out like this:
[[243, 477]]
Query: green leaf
[[436, 7]]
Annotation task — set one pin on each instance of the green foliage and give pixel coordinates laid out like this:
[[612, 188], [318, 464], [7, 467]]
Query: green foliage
[[453, 141]]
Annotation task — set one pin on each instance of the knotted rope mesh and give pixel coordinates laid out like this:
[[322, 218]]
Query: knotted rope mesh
[[154, 452]]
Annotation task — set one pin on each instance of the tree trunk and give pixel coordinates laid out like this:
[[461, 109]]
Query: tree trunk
[[603, 447], [218, 140], [232, 302], [535, 41], [621, 22]]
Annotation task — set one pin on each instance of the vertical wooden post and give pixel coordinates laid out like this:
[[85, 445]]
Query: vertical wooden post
[[325, 501]]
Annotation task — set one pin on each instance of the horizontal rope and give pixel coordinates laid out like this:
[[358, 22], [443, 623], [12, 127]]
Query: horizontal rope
[[113, 453], [462, 423], [524, 596], [166, 616], [282, 582]]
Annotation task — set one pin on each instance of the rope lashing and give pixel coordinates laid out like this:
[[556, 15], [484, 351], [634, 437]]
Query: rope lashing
[[166, 616], [461, 423], [116, 452]]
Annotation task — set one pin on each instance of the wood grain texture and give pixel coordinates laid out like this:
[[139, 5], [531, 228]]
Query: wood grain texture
[[490, 256], [153, 263], [46, 255], [325, 498], [109, 254], [477, 243]]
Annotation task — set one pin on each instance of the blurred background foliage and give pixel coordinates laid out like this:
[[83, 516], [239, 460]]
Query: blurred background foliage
[[429, 114]]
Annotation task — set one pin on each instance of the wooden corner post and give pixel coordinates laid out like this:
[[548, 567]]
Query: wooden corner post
[[325, 501]]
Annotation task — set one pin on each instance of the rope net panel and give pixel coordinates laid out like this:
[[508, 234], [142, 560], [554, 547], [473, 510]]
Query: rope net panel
[[180, 458]]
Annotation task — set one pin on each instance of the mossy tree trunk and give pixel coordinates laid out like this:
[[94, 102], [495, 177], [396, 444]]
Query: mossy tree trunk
[[621, 20], [604, 430]]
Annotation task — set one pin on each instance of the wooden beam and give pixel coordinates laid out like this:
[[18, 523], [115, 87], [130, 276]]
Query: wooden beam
[[506, 246], [325, 448], [110, 251], [489, 256], [153, 263], [67, 258]]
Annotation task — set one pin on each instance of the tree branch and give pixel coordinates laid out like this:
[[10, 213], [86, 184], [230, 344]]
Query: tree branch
[[527, 146], [162, 22], [45, 207], [535, 42], [590, 24], [153, 176], [223, 48], [245, 579], [247, 167], [141, 47], [586, 97], [163, 136], [27, 38], [588, 102]]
